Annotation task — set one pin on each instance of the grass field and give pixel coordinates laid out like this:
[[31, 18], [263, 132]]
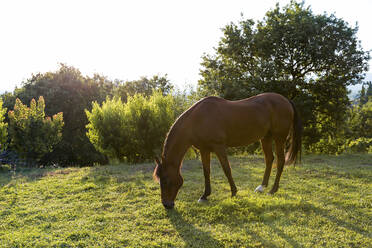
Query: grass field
[[326, 202]]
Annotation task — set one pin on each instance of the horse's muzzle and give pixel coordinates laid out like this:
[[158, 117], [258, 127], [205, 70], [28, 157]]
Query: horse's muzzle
[[168, 205]]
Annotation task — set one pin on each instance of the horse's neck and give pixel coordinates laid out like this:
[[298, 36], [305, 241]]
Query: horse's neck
[[176, 151]]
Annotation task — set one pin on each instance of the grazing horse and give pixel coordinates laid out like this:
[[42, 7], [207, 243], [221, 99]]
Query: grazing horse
[[213, 124]]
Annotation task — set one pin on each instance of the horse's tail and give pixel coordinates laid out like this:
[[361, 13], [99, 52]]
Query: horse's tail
[[293, 154]]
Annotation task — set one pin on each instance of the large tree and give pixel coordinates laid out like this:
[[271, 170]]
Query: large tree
[[308, 58]]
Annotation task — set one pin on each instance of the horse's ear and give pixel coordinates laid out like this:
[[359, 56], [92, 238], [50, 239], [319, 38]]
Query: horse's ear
[[157, 161], [155, 175]]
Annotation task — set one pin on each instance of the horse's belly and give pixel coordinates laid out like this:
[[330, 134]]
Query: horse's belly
[[247, 134], [242, 140]]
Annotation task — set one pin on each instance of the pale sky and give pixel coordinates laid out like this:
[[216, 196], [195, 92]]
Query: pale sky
[[129, 39]]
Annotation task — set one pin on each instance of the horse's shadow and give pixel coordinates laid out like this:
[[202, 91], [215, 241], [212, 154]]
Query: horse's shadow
[[192, 236]]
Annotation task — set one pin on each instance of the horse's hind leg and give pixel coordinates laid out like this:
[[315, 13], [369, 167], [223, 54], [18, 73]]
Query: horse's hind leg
[[267, 148], [222, 156], [206, 161], [279, 150]]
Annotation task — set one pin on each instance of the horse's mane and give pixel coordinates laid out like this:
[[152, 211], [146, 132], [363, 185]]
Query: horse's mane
[[177, 124]]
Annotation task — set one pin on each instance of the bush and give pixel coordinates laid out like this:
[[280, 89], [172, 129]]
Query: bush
[[68, 91], [32, 134], [328, 146], [3, 128], [363, 145], [133, 131], [360, 121]]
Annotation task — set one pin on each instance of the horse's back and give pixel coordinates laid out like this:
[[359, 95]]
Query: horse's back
[[236, 123]]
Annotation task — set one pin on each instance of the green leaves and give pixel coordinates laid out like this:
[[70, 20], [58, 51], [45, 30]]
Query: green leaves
[[32, 134], [360, 127], [3, 128], [132, 131], [66, 90], [144, 86], [308, 58]]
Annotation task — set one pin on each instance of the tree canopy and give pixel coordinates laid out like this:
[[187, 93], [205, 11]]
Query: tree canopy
[[308, 58]]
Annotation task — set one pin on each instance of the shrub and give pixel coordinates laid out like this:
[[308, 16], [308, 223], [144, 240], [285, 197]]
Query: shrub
[[66, 90], [32, 134], [360, 121], [328, 146], [361, 145], [3, 128], [133, 131]]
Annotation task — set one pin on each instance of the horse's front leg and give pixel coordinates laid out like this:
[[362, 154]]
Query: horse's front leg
[[206, 161], [222, 157]]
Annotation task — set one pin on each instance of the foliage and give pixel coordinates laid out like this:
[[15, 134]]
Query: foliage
[[32, 133], [360, 127], [365, 94], [143, 86], [3, 128], [326, 202], [361, 145], [67, 91], [137, 128], [308, 58], [328, 145], [360, 121], [8, 100]]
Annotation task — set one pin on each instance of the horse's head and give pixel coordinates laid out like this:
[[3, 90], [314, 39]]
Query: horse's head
[[170, 182]]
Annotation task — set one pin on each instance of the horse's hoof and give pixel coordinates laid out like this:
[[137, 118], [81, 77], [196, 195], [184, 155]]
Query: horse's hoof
[[272, 192], [260, 189], [201, 200], [234, 191]]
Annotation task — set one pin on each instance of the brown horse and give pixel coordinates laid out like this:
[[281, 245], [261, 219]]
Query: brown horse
[[213, 124]]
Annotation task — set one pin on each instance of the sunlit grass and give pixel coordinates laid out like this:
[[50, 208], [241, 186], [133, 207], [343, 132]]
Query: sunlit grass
[[326, 202]]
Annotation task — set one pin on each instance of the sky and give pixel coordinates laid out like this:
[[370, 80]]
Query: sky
[[129, 39]]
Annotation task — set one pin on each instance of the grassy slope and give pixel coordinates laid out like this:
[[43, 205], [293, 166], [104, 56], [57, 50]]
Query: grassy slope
[[326, 202]]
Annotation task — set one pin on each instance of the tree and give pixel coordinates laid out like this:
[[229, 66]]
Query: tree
[[308, 58], [8, 100], [3, 128], [365, 94], [67, 91], [369, 90], [360, 121], [32, 133], [143, 86], [360, 128]]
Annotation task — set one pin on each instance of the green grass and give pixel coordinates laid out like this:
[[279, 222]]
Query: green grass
[[326, 202]]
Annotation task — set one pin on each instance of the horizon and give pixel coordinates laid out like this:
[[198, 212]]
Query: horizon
[[127, 41]]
